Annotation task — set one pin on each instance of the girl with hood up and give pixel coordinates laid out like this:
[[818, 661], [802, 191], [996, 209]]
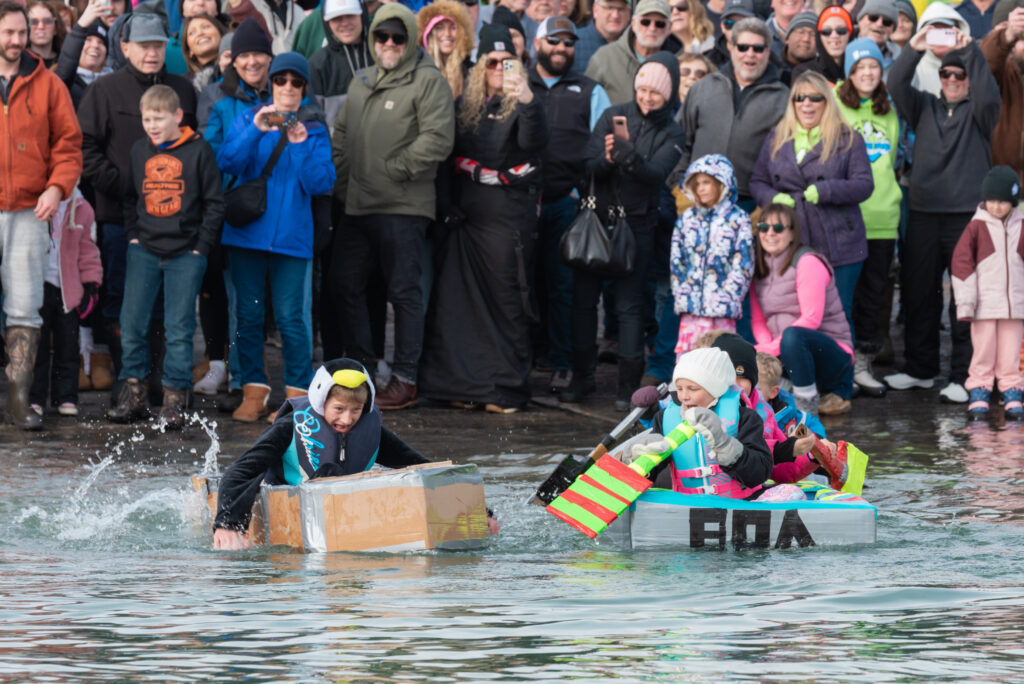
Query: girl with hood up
[[446, 33], [712, 260]]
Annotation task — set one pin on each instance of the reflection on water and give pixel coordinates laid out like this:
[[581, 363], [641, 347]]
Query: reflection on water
[[104, 575]]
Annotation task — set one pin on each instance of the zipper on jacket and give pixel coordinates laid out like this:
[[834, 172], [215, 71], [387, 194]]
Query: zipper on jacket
[[1006, 256]]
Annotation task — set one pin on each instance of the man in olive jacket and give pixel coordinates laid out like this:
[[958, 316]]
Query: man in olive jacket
[[396, 125]]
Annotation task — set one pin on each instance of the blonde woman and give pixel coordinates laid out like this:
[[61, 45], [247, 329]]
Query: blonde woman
[[690, 24], [446, 33], [814, 162]]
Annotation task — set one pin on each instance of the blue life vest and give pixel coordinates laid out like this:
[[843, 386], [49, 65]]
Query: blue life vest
[[315, 443], [790, 417]]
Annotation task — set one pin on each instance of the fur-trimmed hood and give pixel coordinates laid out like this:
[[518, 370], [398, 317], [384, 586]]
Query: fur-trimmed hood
[[464, 42]]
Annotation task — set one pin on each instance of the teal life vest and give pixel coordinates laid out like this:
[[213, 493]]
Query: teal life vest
[[315, 443]]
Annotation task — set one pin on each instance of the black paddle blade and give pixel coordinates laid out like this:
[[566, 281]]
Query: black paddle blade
[[564, 475]]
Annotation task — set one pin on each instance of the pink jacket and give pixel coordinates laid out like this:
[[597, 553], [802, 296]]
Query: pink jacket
[[988, 268], [79, 255]]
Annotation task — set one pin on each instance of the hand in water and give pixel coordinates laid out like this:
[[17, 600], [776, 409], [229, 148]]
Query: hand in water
[[230, 540]]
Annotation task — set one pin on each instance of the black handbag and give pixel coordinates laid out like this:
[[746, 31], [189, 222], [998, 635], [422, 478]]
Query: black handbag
[[591, 246], [245, 203]]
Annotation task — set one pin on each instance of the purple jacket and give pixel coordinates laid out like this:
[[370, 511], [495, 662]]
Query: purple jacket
[[834, 225]]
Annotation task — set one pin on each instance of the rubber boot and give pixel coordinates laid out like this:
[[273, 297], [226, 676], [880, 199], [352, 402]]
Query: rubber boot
[[584, 369], [175, 403], [864, 378], [100, 366], [22, 345], [254, 403], [630, 372], [131, 402], [290, 393]]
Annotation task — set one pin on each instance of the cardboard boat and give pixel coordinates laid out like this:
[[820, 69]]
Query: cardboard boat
[[428, 506]]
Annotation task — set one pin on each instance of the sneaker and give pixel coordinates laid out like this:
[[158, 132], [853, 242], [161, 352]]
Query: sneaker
[[215, 380], [902, 381], [494, 408], [560, 380], [953, 393], [833, 405], [978, 408], [864, 379], [37, 408], [67, 409], [1012, 403]]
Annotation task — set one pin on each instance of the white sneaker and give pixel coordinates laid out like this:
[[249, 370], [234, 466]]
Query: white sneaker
[[954, 393], [902, 381], [215, 380], [67, 409]]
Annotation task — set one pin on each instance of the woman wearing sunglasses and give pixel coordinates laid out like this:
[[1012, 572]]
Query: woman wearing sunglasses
[[796, 314], [835, 30], [814, 162], [279, 244], [46, 32], [690, 24]]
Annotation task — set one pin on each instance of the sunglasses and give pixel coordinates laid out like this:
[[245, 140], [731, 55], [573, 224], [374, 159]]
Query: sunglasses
[[493, 64], [956, 75], [886, 21], [697, 73], [841, 31], [681, 8], [816, 99], [48, 21], [383, 37], [554, 41], [777, 227], [658, 23], [758, 49], [282, 80]]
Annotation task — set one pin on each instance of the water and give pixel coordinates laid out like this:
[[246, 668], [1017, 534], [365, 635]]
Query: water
[[106, 576]]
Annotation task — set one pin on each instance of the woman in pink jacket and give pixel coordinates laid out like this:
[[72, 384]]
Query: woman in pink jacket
[[797, 316]]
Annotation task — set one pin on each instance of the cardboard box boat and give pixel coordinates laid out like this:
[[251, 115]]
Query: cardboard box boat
[[428, 506]]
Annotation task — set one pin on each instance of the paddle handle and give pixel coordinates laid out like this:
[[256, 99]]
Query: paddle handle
[[645, 463]]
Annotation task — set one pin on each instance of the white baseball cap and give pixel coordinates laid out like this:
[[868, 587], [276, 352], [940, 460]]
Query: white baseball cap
[[341, 8]]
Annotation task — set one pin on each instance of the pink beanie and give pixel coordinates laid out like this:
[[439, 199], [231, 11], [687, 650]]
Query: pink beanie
[[654, 75]]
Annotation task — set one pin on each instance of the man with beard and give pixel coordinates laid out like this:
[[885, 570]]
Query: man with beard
[[877, 20], [800, 44], [1004, 50], [572, 105], [614, 66], [40, 151]]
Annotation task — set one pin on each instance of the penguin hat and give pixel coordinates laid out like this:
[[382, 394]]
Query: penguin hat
[[346, 373]]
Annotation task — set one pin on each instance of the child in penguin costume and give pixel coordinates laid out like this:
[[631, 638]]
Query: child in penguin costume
[[334, 430]]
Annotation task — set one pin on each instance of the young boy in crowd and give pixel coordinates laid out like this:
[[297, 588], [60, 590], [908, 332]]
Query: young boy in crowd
[[787, 416], [172, 217]]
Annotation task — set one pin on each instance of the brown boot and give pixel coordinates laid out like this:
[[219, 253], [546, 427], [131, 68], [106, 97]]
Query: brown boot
[[174, 406], [254, 403], [84, 383], [100, 367], [290, 393], [200, 370], [397, 395], [131, 402], [22, 345]]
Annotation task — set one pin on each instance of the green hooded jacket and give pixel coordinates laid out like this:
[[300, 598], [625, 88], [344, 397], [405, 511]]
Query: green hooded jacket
[[393, 130]]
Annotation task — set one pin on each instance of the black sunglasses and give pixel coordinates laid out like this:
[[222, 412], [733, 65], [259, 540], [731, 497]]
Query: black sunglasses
[[758, 49], [886, 21], [841, 31], [812, 98], [777, 227], [658, 23], [697, 73], [555, 40], [383, 37], [280, 80], [949, 73]]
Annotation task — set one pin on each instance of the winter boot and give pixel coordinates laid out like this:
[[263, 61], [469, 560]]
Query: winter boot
[[131, 402], [214, 380], [175, 403], [289, 393], [630, 372], [100, 366], [254, 403], [22, 344], [808, 405], [863, 377], [584, 369], [977, 408], [1012, 405], [200, 370]]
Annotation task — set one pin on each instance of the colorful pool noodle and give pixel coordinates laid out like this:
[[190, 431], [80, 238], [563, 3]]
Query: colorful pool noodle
[[607, 488]]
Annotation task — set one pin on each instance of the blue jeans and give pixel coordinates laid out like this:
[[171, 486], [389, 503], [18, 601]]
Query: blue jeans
[[181, 277], [291, 291], [555, 219], [814, 358], [846, 283]]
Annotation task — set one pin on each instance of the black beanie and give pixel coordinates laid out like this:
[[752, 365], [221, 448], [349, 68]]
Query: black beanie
[[495, 37], [98, 29], [742, 354], [506, 17], [953, 59], [250, 37], [1001, 183]]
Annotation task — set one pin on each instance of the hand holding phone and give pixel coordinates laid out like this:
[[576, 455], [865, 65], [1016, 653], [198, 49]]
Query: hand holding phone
[[620, 127], [941, 37]]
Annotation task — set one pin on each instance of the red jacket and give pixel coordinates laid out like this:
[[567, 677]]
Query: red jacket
[[40, 141]]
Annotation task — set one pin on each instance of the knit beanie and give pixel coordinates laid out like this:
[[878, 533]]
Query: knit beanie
[[495, 37], [835, 11], [711, 368], [954, 59], [96, 29], [507, 18], [907, 7], [1001, 183], [802, 20], [250, 37], [290, 61], [742, 354], [882, 8], [654, 75], [862, 48]]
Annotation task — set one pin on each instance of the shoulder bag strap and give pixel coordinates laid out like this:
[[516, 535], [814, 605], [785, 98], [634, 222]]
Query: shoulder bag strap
[[278, 149]]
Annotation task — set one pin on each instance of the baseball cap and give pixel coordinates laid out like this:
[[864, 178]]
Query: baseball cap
[[653, 7], [145, 28], [555, 25], [341, 8], [744, 8]]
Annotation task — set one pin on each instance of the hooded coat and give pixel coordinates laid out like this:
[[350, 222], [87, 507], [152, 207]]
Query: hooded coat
[[393, 130], [464, 37], [332, 67], [926, 76], [712, 259], [987, 270]]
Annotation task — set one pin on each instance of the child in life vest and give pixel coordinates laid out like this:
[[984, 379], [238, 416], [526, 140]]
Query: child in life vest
[[728, 456], [987, 273], [333, 430]]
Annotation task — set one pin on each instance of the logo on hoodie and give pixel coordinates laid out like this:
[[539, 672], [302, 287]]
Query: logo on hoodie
[[163, 185]]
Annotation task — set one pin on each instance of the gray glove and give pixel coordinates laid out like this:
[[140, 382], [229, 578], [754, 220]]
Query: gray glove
[[654, 444], [727, 449]]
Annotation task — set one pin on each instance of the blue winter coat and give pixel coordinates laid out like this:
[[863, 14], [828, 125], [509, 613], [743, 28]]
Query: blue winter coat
[[712, 259], [220, 104], [303, 170]]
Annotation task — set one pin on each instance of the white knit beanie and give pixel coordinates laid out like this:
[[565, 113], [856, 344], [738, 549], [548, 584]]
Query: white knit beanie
[[711, 368]]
